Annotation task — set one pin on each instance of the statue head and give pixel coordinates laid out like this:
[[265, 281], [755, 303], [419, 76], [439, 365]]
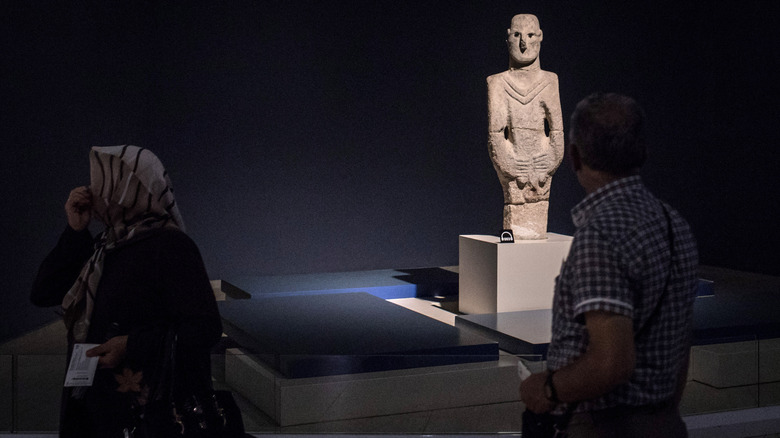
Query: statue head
[[523, 38]]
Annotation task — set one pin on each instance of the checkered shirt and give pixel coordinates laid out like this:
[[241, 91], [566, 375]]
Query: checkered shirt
[[619, 262]]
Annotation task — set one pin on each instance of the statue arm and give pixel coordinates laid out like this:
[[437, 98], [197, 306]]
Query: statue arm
[[552, 109]]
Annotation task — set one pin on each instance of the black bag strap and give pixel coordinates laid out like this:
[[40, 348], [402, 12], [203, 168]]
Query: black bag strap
[[172, 344], [164, 375], [665, 292], [563, 420]]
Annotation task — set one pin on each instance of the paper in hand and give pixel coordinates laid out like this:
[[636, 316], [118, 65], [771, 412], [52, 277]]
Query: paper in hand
[[522, 370], [81, 370]]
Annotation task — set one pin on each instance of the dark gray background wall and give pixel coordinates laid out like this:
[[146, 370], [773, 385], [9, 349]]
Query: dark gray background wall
[[343, 135]]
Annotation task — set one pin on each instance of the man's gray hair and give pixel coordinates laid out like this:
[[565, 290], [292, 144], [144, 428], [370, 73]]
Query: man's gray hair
[[608, 130]]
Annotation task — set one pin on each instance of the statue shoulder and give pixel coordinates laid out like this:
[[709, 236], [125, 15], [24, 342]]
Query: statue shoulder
[[496, 77], [549, 76]]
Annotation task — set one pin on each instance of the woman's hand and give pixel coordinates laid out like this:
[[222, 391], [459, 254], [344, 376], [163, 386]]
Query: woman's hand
[[111, 354], [78, 208]]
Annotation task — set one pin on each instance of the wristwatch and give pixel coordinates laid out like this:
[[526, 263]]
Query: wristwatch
[[549, 388]]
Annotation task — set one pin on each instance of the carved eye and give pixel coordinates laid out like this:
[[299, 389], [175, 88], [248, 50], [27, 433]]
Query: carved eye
[[517, 34]]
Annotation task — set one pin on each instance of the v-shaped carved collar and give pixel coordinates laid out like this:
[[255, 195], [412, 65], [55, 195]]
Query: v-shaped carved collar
[[524, 94]]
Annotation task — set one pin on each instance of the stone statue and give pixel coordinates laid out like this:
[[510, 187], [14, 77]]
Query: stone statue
[[526, 130]]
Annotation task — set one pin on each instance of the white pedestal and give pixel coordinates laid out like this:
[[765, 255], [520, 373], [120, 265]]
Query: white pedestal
[[499, 277]]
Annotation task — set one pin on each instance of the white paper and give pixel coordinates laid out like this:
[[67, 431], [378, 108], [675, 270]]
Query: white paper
[[522, 370], [81, 370]]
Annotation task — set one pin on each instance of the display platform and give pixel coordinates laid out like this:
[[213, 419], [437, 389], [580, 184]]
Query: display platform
[[346, 333], [296, 402], [729, 318], [730, 307], [384, 283], [525, 333]]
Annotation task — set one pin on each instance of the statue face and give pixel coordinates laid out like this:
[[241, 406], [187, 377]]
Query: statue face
[[524, 39]]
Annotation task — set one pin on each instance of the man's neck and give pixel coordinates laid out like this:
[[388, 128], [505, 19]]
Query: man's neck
[[591, 180]]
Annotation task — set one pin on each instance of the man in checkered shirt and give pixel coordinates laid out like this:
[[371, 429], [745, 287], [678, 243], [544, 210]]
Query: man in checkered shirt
[[623, 301]]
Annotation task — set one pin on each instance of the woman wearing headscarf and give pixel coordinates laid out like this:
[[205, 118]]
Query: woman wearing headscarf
[[126, 289]]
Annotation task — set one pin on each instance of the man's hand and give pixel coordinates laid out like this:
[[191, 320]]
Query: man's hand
[[111, 354], [533, 395], [78, 208]]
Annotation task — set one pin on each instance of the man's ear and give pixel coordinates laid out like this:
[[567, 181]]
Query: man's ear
[[541, 36], [576, 160]]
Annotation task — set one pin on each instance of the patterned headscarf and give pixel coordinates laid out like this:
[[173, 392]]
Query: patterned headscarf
[[131, 194]]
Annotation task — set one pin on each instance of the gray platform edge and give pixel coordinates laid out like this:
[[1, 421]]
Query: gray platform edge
[[506, 342]]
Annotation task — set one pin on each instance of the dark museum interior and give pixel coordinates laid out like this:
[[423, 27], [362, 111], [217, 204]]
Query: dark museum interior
[[327, 136]]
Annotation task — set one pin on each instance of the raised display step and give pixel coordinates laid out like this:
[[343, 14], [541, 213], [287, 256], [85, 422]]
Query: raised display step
[[346, 333]]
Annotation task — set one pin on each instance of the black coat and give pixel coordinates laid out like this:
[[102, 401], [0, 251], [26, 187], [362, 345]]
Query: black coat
[[150, 284]]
